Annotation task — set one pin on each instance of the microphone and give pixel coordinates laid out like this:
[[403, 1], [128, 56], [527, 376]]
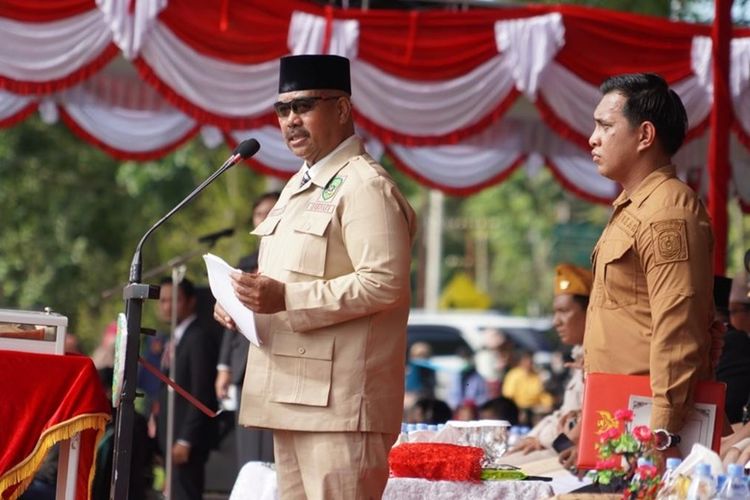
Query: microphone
[[211, 238], [244, 150], [135, 293]]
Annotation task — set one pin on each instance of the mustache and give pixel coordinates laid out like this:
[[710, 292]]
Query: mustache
[[296, 132]]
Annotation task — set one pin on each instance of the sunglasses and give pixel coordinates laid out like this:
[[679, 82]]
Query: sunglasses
[[300, 105]]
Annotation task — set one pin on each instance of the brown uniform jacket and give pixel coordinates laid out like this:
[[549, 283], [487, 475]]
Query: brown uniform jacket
[[334, 360], [652, 305]]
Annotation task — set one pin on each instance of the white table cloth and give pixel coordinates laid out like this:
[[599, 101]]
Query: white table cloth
[[257, 481], [403, 488]]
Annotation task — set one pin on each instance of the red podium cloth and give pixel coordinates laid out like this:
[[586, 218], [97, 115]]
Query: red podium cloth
[[47, 399]]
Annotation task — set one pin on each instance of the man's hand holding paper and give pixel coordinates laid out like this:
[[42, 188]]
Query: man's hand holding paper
[[229, 310], [259, 293]]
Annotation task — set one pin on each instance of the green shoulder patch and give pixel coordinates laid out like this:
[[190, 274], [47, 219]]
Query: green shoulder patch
[[330, 189]]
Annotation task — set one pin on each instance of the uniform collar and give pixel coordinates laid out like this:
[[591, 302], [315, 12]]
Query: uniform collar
[[325, 168], [646, 186]]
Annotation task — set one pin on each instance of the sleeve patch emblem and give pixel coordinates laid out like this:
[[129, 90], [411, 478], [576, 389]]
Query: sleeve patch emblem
[[670, 241]]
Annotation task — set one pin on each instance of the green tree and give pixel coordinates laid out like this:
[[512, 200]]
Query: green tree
[[71, 217]]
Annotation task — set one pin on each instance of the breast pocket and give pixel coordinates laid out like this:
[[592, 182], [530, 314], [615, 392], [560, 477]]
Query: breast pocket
[[264, 229], [302, 369], [308, 246], [619, 264]]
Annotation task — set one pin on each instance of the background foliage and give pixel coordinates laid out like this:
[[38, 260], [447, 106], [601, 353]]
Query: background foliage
[[71, 216]]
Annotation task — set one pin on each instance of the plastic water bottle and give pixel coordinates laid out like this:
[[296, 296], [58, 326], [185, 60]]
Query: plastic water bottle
[[702, 486], [735, 485], [403, 436], [514, 435], [668, 490], [420, 434]]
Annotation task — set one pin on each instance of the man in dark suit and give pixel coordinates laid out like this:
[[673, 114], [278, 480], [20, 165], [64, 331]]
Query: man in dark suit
[[252, 444], [195, 356], [733, 308]]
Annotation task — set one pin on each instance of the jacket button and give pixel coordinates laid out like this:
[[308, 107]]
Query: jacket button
[[301, 350]]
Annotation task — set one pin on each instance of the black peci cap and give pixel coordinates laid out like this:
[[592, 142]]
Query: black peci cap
[[314, 72]]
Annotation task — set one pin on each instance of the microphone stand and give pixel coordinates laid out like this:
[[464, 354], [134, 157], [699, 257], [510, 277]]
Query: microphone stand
[[161, 268], [134, 294]]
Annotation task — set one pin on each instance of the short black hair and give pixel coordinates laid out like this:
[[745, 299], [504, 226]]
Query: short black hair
[[435, 411], [502, 408], [187, 286], [649, 98]]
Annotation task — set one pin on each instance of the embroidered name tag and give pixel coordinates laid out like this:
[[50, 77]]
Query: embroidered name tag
[[627, 223], [670, 241], [316, 206]]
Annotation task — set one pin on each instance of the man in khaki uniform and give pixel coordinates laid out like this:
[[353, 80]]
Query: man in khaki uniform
[[651, 305], [572, 289], [331, 298]]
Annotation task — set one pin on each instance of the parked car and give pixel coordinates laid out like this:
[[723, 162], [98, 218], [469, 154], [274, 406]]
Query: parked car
[[447, 330], [451, 332]]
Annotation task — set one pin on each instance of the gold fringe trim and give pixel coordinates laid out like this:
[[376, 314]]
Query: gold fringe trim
[[92, 470], [23, 473]]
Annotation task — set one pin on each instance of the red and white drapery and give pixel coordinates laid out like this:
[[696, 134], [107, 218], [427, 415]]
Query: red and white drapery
[[434, 88]]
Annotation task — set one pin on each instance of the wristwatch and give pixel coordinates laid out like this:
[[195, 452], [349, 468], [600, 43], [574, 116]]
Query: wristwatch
[[665, 439]]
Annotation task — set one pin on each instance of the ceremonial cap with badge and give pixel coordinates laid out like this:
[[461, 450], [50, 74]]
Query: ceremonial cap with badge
[[573, 280]]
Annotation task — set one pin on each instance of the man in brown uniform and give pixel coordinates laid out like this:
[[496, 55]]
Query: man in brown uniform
[[651, 305], [331, 299]]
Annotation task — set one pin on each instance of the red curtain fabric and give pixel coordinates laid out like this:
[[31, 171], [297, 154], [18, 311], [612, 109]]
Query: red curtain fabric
[[70, 80], [616, 42], [198, 56], [48, 398], [40, 11], [256, 31]]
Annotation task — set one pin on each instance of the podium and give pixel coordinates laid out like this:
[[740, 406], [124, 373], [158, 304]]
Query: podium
[[48, 399]]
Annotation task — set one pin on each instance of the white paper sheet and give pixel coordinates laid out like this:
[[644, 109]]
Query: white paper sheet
[[698, 428], [220, 281]]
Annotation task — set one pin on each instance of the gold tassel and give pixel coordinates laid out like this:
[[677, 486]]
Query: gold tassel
[[23, 473]]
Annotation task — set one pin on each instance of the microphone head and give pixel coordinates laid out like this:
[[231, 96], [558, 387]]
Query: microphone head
[[247, 148]]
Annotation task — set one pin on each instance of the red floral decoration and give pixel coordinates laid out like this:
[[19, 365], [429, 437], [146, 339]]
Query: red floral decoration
[[619, 449], [436, 461], [642, 433]]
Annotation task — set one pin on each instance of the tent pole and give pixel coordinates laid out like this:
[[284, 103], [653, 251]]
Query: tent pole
[[721, 118]]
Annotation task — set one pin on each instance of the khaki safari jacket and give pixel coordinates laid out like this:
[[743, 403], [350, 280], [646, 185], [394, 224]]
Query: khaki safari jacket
[[652, 301], [334, 360]]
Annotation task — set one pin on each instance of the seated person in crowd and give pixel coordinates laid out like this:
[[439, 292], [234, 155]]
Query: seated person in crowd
[[466, 411], [733, 363], [420, 374], [733, 368], [524, 386], [494, 360], [572, 289], [735, 448], [468, 384], [429, 411], [499, 408]]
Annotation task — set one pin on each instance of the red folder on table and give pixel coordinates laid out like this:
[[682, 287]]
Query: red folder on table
[[606, 393]]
